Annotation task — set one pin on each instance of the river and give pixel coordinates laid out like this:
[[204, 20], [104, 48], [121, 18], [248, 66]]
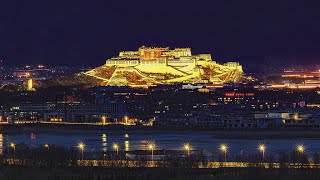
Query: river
[[164, 139]]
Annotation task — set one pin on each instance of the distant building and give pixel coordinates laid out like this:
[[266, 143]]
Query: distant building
[[69, 112]]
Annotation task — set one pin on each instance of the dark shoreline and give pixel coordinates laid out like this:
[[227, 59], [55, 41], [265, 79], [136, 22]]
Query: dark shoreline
[[79, 173]]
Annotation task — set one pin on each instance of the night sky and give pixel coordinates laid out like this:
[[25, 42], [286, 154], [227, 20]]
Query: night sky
[[77, 32]]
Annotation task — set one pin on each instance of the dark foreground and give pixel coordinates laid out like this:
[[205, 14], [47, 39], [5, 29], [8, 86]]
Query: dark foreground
[[97, 173]]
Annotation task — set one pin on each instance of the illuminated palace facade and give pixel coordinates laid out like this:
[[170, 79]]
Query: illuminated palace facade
[[158, 65]]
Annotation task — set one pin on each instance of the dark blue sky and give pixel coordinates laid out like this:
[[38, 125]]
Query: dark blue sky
[[89, 31]]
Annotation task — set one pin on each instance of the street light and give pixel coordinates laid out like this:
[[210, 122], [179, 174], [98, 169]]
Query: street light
[[13, 146], [151, 147], [187, 148], [81, 146], [224, 149], [46, 146], [262, 149], [116, 148], [300, 148]]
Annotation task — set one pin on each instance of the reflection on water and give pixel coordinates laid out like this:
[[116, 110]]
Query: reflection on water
[[126, 146], [104, 143], [32, 136], [33, 140], [170, 140], [1, 144]]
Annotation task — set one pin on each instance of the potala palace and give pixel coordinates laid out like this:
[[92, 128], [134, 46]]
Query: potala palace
[[157, 65]]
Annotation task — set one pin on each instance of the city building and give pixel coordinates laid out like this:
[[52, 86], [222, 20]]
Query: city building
[[66, 112]]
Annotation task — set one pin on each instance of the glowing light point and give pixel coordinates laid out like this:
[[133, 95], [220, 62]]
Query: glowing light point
[[224, 148], [187, 148], [262, 148], [81, 146], [151, 147], [300, 148], [116, 147], [46, 146]]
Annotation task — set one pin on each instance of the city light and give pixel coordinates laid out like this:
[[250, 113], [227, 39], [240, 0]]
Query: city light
[[224, 149], [187, 148], [81, 146], [126, 146], [30, 85], [300, 148], [13, 146], [151, 147], [262, 148], [46, 146], [116, 147], [126, 120], [160, 90], [104, 120]]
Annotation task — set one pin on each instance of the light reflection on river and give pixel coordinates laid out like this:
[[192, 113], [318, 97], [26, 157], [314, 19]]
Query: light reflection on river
[[169, 140]]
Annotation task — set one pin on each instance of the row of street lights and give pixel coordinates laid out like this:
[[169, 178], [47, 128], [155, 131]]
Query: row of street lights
[[187, 147], [262, 148]]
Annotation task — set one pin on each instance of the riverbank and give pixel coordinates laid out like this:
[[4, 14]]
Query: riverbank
[[79, 173]]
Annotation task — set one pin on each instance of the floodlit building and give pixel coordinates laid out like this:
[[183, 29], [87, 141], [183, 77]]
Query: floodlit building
[[157, 65]]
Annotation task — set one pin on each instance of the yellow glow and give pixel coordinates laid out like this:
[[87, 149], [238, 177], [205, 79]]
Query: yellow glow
[[300, 148], [115, 146], [223, 147], [46, 145], [13, 145], [187, 146], [262, 147], [104, 138], [104, 120], [164, 65], [126, 120], [81, 146], [151, 146], [126, 145], [30, 85]]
